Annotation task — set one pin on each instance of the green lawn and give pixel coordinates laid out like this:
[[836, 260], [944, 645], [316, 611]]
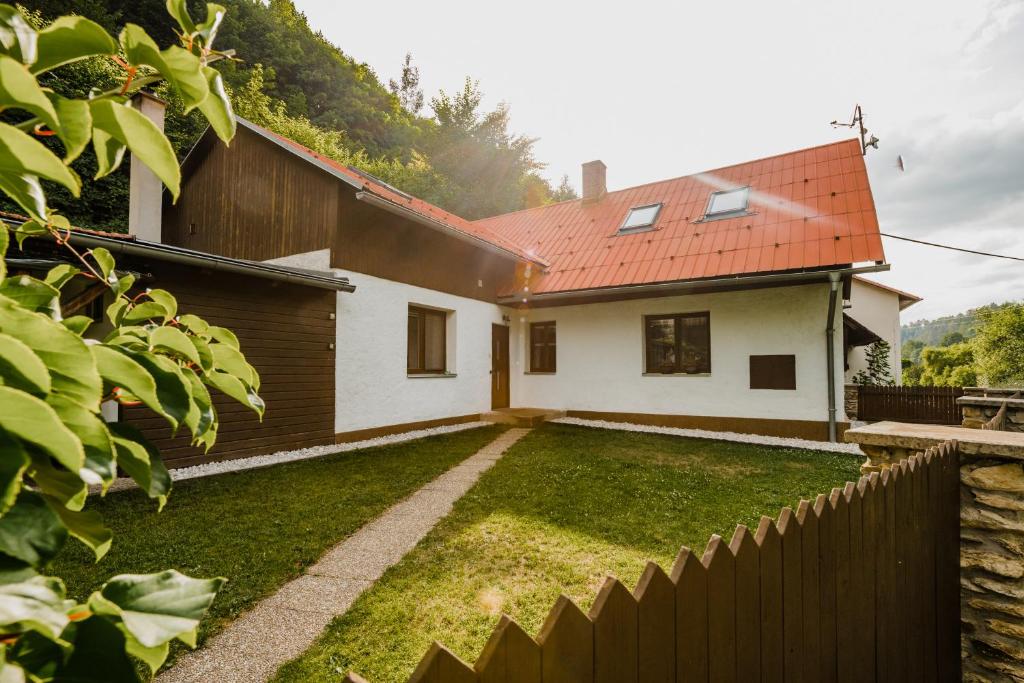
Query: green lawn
[[262, 527], [564, 508]]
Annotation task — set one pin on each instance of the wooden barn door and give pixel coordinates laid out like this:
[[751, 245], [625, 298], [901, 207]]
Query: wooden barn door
[[499, 367]]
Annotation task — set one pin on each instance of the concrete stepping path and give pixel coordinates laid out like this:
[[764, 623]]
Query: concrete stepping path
[[284, 625]]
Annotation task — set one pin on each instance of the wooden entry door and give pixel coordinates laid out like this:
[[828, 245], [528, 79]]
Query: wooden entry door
[[499, 367]]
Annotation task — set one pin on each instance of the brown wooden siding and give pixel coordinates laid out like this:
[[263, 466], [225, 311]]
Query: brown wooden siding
[[285, 331], [251, 200], [255, 200], [372, 241]]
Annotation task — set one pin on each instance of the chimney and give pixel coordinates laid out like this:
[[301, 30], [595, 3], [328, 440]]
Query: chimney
[[594, 186], [145, 191]]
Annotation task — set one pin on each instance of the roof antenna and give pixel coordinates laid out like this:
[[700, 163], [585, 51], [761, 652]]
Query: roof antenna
[[858, 121]]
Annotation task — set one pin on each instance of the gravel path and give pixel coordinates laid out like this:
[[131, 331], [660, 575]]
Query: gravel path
[[850, 448], [282, 626]]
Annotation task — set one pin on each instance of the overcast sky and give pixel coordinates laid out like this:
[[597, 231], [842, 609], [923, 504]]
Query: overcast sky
[[661, 89]]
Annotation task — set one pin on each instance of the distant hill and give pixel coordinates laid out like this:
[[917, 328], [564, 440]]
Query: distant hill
[[931, 332]]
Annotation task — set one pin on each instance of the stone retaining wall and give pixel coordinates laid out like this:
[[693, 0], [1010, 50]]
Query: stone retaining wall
[[981, 406], [992, 569], [850, 397]]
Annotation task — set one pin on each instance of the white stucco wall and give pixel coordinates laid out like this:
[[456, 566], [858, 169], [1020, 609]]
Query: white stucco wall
[[600, 356], [878, 310], [373, 387]]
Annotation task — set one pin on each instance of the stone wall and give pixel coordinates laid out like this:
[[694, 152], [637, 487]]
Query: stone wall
[[850, 401], [981, 410], [992, 569]]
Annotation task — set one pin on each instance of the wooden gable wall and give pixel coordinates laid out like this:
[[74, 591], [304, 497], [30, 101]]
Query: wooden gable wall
[[256, 200]]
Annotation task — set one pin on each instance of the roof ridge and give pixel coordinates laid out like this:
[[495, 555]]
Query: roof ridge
[[674, 178]]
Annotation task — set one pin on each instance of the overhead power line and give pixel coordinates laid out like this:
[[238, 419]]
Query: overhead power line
[[946, 246]]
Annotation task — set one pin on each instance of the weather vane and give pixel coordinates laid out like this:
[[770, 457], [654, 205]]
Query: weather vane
[[858, 121]]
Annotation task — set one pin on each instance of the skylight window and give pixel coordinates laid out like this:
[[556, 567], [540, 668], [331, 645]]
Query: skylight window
[[641, 218], [728, 203]]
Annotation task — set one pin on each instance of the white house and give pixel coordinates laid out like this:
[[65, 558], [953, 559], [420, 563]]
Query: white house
[[710, 300], [877, 307]]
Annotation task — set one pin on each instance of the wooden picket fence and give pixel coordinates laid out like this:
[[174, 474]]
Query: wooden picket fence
[[924, 405], [859, 585]]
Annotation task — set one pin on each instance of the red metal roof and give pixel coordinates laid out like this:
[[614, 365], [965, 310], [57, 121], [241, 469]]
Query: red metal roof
[[380, 189], [807, 210]]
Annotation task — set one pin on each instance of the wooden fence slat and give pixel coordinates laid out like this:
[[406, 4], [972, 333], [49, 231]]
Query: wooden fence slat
[[868, 551], [901, 618], [656, 626], [567, 645], [772, 647], [857, 580], [792, 595], [810, 597], [510, 656], [690, 579], [929, 511], [926, 405], [748, 605], [614, 614], [948, 567], [720, 564], [846, 667], [439, 665], [826, 589], [884, 596]]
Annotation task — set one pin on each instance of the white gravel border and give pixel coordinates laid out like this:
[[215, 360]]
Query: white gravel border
[[849, 448], [257, 461]]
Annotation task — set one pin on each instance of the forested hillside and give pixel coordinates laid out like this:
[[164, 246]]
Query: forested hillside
[[289, 78], [960, 326]]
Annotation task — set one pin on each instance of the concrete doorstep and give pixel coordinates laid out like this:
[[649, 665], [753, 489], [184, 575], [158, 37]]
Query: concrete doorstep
[[284, 625]]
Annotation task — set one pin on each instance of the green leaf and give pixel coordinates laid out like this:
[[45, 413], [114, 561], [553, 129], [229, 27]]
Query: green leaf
[[17, 37], [141, 461], [208, 29], [201, 415], [120, 370], [74, 124], [175, 342], [38, 655], [157, 608], [231, 361], [100, 654], [124, 284], [21, 368], [30, 531], [58, 483], [30, 228], [26, 192], [217, 106], [178, 66], [147, 310], [105, 261], [116, 310], [21, 155], [9, 671], [165, 299], [69, 39], [109, 152], [223, 335], [128, 126], [203, 351], [77, 324], [72, 370], [12, 466], [19, 90], [34, 605], [172, 388], [33, 421], [5, 241], [178, 9], [33, 294], [194, 323], [86, 526], [99, 467], [234, 388], [58, 276]]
